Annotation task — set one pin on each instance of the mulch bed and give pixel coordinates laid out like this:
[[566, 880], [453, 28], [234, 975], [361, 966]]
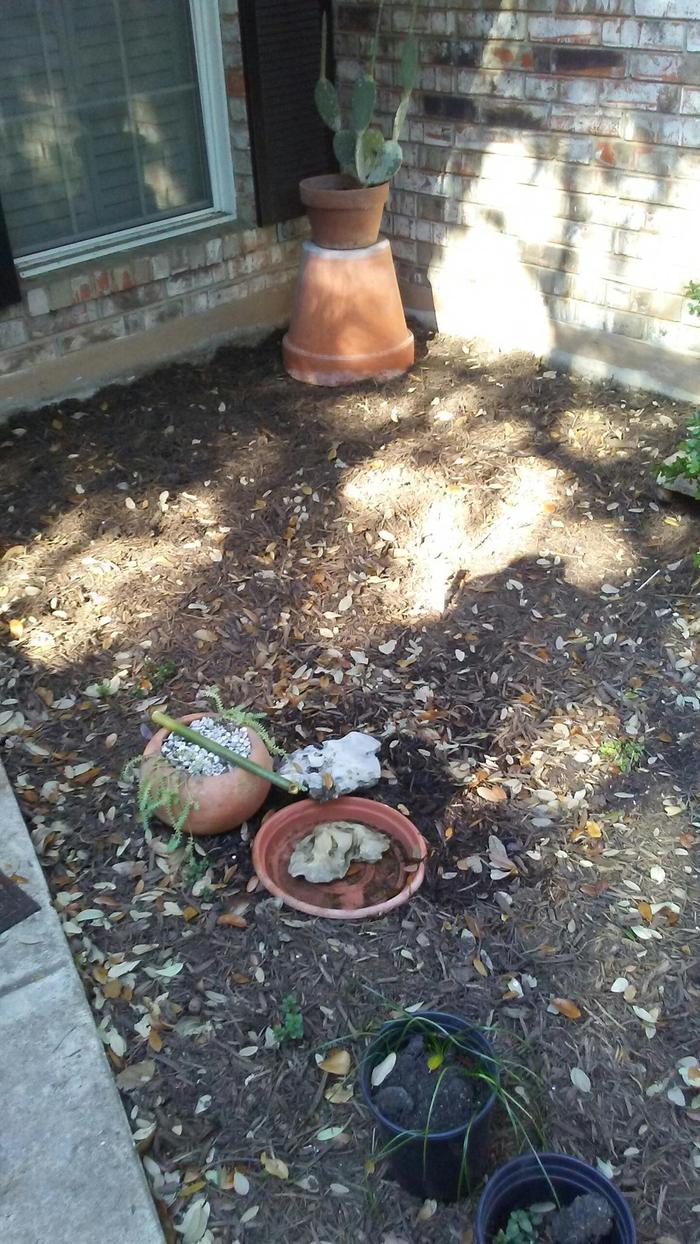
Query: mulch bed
[[472, 562]]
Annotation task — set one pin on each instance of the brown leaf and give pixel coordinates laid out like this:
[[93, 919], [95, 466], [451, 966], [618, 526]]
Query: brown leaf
[[336, 1062], [645, 912], [473, 926], [480, 965], [567, 1008], [594, 889], [83, 779], [493, 794], [154, 1040], [232, 920]]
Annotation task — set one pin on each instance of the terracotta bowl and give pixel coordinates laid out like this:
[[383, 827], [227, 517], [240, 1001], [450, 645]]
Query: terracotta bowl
[[223, 801], [359, 895]]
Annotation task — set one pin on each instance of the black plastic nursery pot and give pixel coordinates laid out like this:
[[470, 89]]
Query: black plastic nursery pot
[[529, 1180], [441, 1165]]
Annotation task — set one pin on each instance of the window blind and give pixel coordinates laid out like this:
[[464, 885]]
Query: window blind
[[100, 118]]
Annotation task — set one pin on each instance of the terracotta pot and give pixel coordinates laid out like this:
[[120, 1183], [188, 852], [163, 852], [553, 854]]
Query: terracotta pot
[[347, 322], [343, 215], [223, 801], [347, 898]]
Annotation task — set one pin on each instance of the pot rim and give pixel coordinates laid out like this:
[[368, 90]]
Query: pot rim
[[199, 779], [338, 191], [562, 1168], [452, 1133], [352, 805]]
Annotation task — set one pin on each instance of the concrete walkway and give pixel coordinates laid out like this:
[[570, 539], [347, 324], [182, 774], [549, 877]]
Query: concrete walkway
[[69, 1172]]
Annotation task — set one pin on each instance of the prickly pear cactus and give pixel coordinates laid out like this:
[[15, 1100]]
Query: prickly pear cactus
[[360, 149]]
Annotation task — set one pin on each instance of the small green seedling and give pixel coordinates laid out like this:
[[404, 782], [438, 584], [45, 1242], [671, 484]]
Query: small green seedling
[[438, 1048], [520, 1229], [292, 1026], [154, 676], [625, 753], [692, 293]]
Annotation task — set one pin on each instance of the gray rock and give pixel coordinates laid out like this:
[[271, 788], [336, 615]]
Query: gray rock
[[335, 767], [586, 1221]]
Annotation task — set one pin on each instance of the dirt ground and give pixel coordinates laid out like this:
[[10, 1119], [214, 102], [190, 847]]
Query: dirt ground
[[472, 562]]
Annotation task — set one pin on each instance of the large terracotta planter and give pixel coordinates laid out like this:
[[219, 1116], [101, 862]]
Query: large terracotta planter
[[223, 801], [360, 894], [343, 215], [348, 322]]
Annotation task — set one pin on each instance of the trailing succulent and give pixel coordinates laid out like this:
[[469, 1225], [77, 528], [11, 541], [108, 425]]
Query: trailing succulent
[[360, 148], [160, 784]]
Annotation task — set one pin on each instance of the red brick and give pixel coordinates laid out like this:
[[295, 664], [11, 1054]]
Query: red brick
[[235, 83]]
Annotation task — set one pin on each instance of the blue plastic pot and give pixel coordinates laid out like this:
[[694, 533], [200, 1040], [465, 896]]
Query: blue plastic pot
[[522, 1183], [439, 1165]]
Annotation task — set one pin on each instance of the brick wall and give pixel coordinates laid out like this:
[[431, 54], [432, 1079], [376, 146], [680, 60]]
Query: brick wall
[[552, 166], [132, 291]]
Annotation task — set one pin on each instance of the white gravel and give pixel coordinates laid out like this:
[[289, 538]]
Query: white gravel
[[195, 759]]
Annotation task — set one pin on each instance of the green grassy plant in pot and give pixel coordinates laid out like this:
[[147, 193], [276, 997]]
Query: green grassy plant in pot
[[345, 208], [431, 1081]]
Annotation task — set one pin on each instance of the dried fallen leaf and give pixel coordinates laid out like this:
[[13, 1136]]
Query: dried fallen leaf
[[232, 920], [241, 1183], [580, 1080], [383, 1069], [565, 1007], [619, 985], [480, 966], [338, 1094], [135, 1075], [275, 1167], [492, 794], [336, 1062], [427, 1209], [645, 911]]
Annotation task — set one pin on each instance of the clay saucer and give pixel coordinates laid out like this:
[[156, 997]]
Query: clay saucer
[[369, 889]]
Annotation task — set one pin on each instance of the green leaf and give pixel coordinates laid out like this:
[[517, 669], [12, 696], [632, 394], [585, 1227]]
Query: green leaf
[[364, 97], [388, 163], [408, 64], [401, 114], [344, 150], [328, 104]]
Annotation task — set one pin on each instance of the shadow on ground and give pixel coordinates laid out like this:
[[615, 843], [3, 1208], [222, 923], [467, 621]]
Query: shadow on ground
[[472, 561]]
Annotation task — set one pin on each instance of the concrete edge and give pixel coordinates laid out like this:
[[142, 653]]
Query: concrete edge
[[41, 934], [245, 320]]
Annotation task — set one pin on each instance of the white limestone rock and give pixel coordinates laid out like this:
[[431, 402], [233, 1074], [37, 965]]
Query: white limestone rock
[[336, 767], [328, 851]]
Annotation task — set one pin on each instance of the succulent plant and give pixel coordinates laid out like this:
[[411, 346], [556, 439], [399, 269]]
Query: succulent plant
[[360, 148]]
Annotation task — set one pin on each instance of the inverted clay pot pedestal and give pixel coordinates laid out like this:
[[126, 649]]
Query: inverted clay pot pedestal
[[347, 321]]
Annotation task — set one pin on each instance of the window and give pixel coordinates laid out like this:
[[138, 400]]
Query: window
[[113, 122]]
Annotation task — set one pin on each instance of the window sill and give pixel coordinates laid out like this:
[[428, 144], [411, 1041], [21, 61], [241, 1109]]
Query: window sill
[[108, 249]]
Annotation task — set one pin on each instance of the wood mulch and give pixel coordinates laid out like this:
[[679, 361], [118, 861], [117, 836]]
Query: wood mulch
[[472, 562]]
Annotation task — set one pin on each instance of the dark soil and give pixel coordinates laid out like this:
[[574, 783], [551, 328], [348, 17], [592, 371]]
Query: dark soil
[[587, 1220], [418, 1099], [472, 561]]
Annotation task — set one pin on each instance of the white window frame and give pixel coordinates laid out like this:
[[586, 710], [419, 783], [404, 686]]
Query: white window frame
[[206, 30]]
